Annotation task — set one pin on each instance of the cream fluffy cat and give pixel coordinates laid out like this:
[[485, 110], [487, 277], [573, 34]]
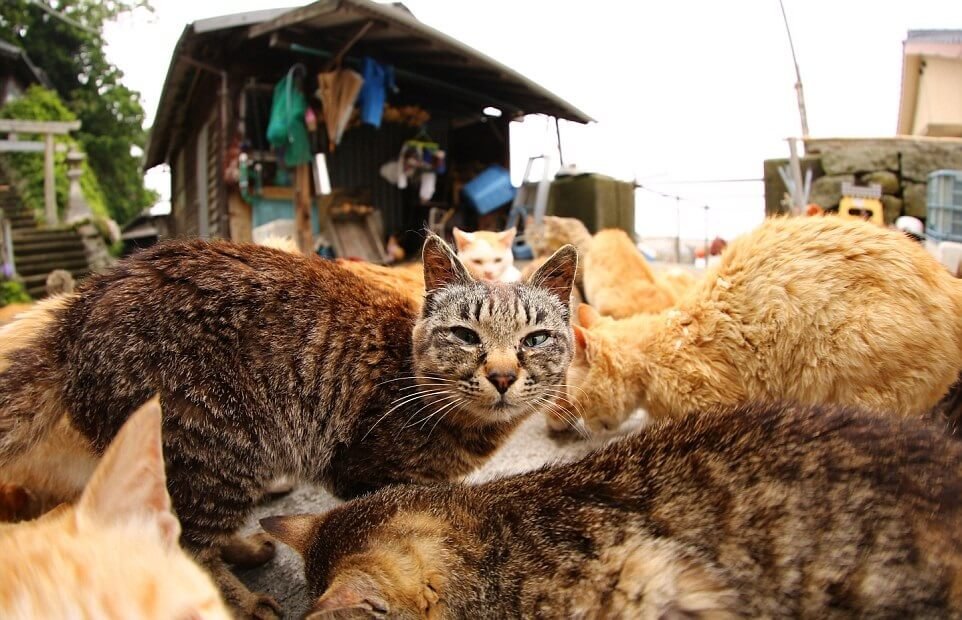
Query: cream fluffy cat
[[113, 555], [814, 310], [487, 255]]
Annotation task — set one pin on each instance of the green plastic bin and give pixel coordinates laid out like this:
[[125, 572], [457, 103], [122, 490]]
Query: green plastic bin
[[597, 200]]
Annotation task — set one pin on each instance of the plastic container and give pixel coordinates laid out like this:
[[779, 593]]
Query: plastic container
[[943, 199], [489, 190]]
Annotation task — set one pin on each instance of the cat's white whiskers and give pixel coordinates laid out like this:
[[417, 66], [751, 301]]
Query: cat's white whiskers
[[562, 395], [407, 398], [564, 414], [424, 420], [433, 402], [458, 402], [429, 402], [568, 385], [413, 377], [424, 385]]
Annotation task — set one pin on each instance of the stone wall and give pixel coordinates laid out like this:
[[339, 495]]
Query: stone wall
[[900, 165]]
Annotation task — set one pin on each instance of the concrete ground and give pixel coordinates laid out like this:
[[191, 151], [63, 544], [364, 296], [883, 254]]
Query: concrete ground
[[529, 448]]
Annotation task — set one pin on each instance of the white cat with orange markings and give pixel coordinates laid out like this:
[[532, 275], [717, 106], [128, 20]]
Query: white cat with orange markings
[[487, 254]]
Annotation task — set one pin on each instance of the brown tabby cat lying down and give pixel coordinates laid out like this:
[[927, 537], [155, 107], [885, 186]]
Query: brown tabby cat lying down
[[115, 554], [808, 309], [270, 364], [759, 512]]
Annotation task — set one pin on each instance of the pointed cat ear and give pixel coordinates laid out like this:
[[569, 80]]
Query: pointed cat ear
[[130, 483], [507, 237], [582, 344], [295, 531], [462, 238], [350, 590], [587, 315], [557, 274], [441, 266]]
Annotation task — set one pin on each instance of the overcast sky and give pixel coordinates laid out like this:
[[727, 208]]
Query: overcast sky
[[682, 90]]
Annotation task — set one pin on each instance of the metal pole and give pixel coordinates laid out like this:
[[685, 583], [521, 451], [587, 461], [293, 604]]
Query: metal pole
[[557, 130], [798, 75], [796, 177], [707, 253], [678, 231]]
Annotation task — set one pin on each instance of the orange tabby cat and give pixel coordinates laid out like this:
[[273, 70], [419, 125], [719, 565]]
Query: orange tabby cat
[[618, 280], [113, 555], [487, 255], [815, 310], [406, 278]]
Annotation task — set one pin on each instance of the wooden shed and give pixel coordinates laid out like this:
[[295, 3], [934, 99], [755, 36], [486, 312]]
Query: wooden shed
[[217, 97]]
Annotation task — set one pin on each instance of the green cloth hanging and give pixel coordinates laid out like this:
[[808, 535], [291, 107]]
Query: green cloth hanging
[[286, 130]]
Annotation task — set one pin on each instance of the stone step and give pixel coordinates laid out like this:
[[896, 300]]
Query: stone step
[[47, 247], [45, 233], [45, 263], [22, 223]]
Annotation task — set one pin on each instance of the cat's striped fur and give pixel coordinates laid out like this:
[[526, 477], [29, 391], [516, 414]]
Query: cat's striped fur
[[269, 363], [762, 511]]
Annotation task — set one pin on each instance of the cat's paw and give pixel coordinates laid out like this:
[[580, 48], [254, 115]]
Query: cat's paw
[[260, 607], [248, 551], [565, 430], [601, 423]]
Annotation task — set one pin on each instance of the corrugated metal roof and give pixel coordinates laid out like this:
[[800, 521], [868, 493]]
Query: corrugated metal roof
[[425, 59]]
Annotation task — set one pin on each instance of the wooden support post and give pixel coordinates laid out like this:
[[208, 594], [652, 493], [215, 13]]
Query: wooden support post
[[49, 186], [302, 209]]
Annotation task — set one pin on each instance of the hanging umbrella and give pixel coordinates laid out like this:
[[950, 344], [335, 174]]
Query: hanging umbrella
[[338, 91]]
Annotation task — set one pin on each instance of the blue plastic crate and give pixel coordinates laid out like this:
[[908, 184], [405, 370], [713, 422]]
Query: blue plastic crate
[[489, 190], [943, 221]]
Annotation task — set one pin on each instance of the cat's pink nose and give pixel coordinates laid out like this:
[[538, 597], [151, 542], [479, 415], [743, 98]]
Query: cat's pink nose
[[502, 380]]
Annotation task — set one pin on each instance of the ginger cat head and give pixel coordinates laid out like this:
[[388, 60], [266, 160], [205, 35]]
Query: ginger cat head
[[115, 554], [486, 254]]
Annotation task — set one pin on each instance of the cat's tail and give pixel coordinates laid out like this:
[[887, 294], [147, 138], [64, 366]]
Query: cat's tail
[[30, 381]]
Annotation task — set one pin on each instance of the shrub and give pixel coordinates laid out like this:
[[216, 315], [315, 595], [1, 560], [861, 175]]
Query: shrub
[[12, 292], [40, 104]]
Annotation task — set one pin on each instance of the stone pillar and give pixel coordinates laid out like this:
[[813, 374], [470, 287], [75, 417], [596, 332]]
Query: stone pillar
[[77, 208]]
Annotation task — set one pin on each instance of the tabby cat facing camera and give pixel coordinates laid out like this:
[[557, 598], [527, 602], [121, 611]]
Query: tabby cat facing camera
[[758, 512], [270, 364]]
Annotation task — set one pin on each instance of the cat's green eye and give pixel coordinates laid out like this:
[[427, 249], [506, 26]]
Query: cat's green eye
[[536, 339], [465, 335], [497, 260]]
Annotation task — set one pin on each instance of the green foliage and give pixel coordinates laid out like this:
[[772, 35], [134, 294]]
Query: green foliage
[[40, 104], [12, 292], [111, 114]]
